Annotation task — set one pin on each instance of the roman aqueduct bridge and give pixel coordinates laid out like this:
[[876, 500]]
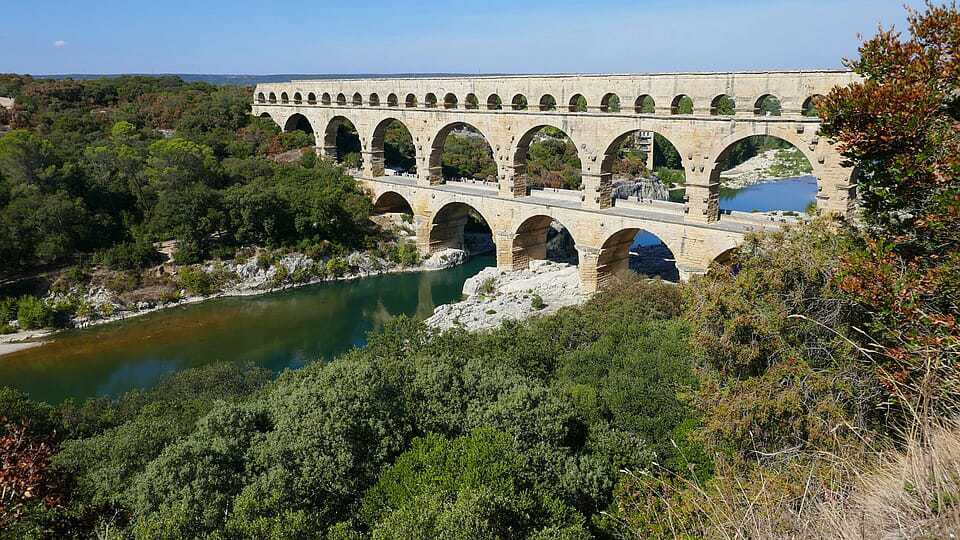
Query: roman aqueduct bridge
[[509, 110]]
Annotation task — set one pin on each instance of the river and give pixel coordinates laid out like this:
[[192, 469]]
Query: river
[[278, 331]]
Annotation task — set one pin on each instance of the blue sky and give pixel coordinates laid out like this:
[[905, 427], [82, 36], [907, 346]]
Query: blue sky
[[394, 36]]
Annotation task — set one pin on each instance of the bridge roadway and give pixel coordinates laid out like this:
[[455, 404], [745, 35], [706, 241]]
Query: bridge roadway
[[519, 226]]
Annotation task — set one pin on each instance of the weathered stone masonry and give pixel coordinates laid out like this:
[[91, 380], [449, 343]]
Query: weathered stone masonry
[[431, 108]]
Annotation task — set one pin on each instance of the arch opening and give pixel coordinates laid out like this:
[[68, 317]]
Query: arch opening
[[410, 101], [342, 143], [430, 101], [341, 99], [311, 99], [392, 100], [284, 98], [682, 104], [811, 106], [298, 122], [543, 238], [450, 101], [644, 166], [768, 105], [494, 103], [610, 103], [391, 202], [635, 251], [549, 160], [578, 103], [461, 153], [297, 98], [357, 100], [763, 173], [645, 104], [261, 98], [723, 105], [519, 102], [374, 100], [548, 103], [273, 97], [325, 99], [460, 226], [393, 141], [471, 102]]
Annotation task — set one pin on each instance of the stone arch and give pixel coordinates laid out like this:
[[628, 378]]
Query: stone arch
[[726, 257], [522, 147], [445, 228], [392, 100], [578, 103], [548, 103], [284, 98], [450, 101], [378, 148], [519, 102], [494, 103], [391, 202], [645, 104], [273, 97], [374, 100], [617, 256], [810, 106], [430, 100], [410, 101], [325, 99], [435, 159], [656, 155], [311, 98], [261, 98], [297, 98], [330, 148], [357, 99], [610, 103], [531, 240], [723, 105], [341, 99], [266, 115], [682, 104], [471, 102], [768, 105], [298, 122]]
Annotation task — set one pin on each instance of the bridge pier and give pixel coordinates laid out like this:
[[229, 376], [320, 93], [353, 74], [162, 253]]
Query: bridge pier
[[703, 196], [513, 182], [589, 268], [373, 163], [598, 189]]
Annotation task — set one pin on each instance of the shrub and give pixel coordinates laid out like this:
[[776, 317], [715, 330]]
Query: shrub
[[536, 302], [337, 267], [195, 280], [129, 256], [34, 313], [121, 282], [488, 286]]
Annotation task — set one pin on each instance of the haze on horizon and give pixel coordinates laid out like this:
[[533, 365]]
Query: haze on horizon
[[562, 36]]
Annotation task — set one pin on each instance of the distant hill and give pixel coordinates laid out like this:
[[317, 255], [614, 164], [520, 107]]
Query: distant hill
[[249, 80]]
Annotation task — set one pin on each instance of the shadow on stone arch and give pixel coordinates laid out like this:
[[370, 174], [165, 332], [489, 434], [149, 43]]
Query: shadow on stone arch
[[637, 251], [460, 226]]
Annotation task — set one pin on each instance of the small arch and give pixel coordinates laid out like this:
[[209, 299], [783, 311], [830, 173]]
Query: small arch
[[548, 103], [325, 99], [578, 103], [411, 101], [357, 99], [610, 103], [519, 102], [341, 99], [298, 122], [811, 106], [374, 100], [459, 225], [637, 250], [273, 97], [261, 98], [284, 98], [541, 237], [767, 105], [645, 104], [723, 105], [430, 101], [311, 99], [297, 98], [494, 103], [450, 101], [391, 202], [681, 104], [392, 100], [471, 102]]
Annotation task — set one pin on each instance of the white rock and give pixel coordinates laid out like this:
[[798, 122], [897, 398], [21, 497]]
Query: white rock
[[446, 258]]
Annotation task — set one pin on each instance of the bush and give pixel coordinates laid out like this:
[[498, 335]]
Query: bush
[[34, 313], [536, 302], [129, 256], [337, 267], [195, 281]]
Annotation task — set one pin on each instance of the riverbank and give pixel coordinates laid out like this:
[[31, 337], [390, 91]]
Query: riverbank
[[768, 166], [99, 305]]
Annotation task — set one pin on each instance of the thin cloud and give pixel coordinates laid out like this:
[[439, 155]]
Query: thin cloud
[[59, 43]]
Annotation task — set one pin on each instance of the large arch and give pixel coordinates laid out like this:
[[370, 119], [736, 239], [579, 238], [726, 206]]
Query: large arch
[[384, 154], [447, 227], [435, 159], [298, 122], [662, 159], [542, 237], [569, 175], [340, 140], [637, 250]]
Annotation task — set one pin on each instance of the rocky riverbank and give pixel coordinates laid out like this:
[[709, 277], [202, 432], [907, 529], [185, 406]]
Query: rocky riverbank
[[495, 296], [768, 166]]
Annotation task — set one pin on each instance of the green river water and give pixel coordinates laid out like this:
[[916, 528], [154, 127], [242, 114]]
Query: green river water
[[277, 331]]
